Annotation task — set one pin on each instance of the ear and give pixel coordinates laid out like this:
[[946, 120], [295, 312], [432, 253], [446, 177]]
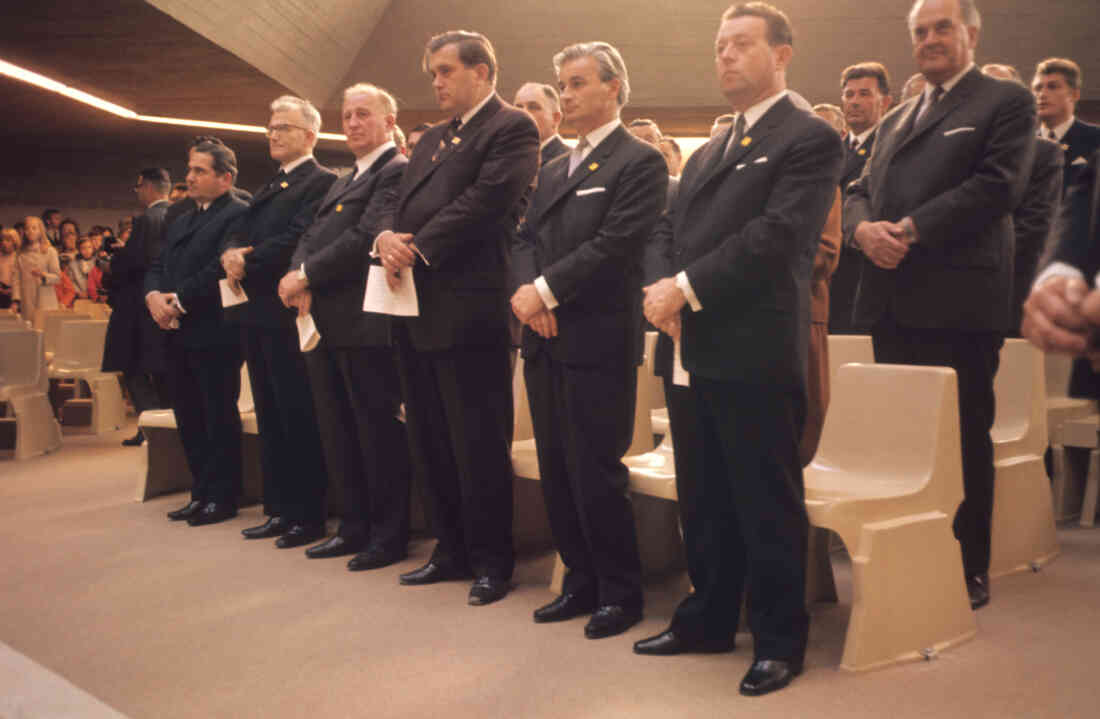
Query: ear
[[616, 85], [972, 35], [482, 71], [783, 55], [887, 102], [557, 118]]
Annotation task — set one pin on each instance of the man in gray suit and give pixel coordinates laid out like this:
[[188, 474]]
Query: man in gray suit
[[932, 213]]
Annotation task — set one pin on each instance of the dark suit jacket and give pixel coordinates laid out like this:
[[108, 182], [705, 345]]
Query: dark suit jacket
[[1080, 141], [134, 343], [845, 281], [190, 265], [1033, 219], [336, 252], [553, 149], [585, 234], [959, 175], [462, 208], [280, 212], [854, 161], [746, 229]]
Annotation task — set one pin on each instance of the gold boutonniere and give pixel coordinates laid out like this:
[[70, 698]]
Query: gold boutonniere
[[593, 166], [456, 140], [861, 151], [339, 208], [1065, 147], [746, 141], [284, 184]]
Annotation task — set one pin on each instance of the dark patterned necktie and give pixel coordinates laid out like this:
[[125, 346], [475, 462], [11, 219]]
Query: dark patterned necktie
[[448, 138]]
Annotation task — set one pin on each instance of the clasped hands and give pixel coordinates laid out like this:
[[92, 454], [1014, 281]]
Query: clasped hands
[[663, 301], [528, 307], [886, 243], [164, 309], [1061, 315], [233, 264], [397, 251], [294, 292]]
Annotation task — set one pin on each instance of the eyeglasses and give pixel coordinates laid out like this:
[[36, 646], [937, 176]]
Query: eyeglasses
[[283, 129]]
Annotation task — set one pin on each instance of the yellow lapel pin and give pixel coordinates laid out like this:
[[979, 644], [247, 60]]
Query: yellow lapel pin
[[746, 141], [593, 167], [284, 184], [1065, 146], [861, 151], [456, 140], [339, 208]]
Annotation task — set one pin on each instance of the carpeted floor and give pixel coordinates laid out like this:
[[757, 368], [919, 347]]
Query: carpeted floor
[[157, 619]]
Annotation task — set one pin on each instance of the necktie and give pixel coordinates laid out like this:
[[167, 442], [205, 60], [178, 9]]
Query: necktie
[[577, 155], [855, 143], [937, 93], [1052, 136], [738, 134], [447, 140]]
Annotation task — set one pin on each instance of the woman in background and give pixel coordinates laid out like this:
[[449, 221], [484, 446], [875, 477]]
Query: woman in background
[[39, 270], [10, 289]]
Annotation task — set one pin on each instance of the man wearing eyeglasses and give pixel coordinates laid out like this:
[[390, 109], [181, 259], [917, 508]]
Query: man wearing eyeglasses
[[258, 252]]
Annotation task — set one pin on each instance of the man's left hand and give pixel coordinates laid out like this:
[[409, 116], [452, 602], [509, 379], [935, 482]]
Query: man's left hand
[[290, 287], [526, 303], [233, 262], [663, 302]]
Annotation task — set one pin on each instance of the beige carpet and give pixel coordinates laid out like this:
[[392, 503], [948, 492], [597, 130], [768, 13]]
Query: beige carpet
[[157, 619]]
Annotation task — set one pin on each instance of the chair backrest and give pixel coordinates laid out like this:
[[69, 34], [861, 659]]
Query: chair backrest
[[51, 324], [80, 345], [245, 403], [522, 428], [96, 310], [642, 441], [896, 428], [20, 357], [844, 349], [1020, 392], [1058, 368]]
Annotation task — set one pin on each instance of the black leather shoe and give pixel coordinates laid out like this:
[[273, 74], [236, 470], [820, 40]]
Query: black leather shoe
[[335, 546], [487, 590], [212, 513], [670, 642], [612, 619], [977, 587], [564, 607], [374, 558], [298, 534], [136, 441], [768, 675], [273, 527], [186, 511], [433, 572]]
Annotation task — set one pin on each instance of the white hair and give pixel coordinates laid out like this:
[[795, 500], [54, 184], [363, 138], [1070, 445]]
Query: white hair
[[383, 98], [968, 9], [305, 108], [606, 56]]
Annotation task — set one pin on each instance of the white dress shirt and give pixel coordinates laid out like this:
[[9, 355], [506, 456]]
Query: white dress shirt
[[1059, 130]]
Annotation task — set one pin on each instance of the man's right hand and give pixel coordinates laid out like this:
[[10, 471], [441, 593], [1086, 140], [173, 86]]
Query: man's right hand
[[1054, 315], [161, 307], [882, 243]]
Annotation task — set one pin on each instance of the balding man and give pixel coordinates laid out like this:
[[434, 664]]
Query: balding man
[[542, 103]]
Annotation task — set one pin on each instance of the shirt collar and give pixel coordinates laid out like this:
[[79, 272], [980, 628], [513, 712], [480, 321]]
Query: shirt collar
[[1059, 130], [548, 140], [600, 134], [469, 115], [163, 200], [290, 166], [862, 137], [363, 163], [758, 110], [929, 88]]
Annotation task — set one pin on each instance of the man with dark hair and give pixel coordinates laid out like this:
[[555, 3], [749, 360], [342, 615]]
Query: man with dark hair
[[258, 252], [51, 218], [179, 192], [864, 98], [460, 200], [1057, 88], [580, 272], [674, 157], [352, 371], [204, 354], [932, 214], [741, 239], [542, 103], [414, 137], [135, 346], [645, 130], [913, 86]]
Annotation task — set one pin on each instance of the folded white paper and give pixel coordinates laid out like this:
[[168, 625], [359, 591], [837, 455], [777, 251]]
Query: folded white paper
[[308, 336], [680, 376], [381, 299], [229, 297]]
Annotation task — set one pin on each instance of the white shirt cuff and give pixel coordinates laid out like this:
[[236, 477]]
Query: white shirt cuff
[[684, 284], [177, 303], [547, 296], [1057, 269], [374, 245], [302, 273]]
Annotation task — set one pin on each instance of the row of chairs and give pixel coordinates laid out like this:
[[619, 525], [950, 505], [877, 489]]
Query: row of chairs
[[27, 419]]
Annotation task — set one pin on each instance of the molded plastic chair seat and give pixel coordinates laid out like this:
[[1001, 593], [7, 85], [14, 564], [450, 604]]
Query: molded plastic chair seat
[[887, 478], [79, 356], [49, 321], [846, 349], [97, 310], [22, 376], [1070, 475]]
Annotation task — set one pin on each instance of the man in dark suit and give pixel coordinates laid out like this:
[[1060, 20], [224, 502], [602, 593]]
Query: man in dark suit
[[456, 214], [1034, 217], [742, 237], [542, 103], [257, 255], [135, 345], [352, 371], [932, 213], [581, 272], [864, 98], [204, 354], [1057, 88]]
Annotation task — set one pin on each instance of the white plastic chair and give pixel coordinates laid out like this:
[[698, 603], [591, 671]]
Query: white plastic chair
[[79, 356], [22, 376], [1068, 481]]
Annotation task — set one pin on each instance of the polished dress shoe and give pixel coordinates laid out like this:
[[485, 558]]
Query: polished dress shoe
[[433, 572], [136, 441], [487, 590], [671, 642], [298, 534], [564, 607], [611, 619], [212, 513], [336, 546], [977, 587], [273, 527], [374, 558], [769, 675], [188, 510]]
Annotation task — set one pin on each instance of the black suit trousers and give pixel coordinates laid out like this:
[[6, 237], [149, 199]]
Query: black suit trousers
[[745, 523], [290, 447], [583, 419], [458, 406], [357, 397], [975, 357], [205, 385]]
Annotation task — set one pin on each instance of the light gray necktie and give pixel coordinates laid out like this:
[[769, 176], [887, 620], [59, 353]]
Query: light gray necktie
[[738, 133], [577, 155], [937, 93]]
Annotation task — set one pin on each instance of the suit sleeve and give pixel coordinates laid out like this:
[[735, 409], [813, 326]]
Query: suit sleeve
[[997, 183], [770, 243], [524, 263], [201, 288], [272, 254], [640, 196], [1072, 235], [509, 165], [348, 255], [1035, 215], [129, 262], [828, 250]]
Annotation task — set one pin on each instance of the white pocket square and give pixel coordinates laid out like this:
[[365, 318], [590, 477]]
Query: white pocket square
[[1080, 161], [740, 166], [760, 160], [591, 191], [957, 130]]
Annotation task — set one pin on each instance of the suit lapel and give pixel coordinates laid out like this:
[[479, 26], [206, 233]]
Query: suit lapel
[[564, 183], [195, 224], [958, 95]]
